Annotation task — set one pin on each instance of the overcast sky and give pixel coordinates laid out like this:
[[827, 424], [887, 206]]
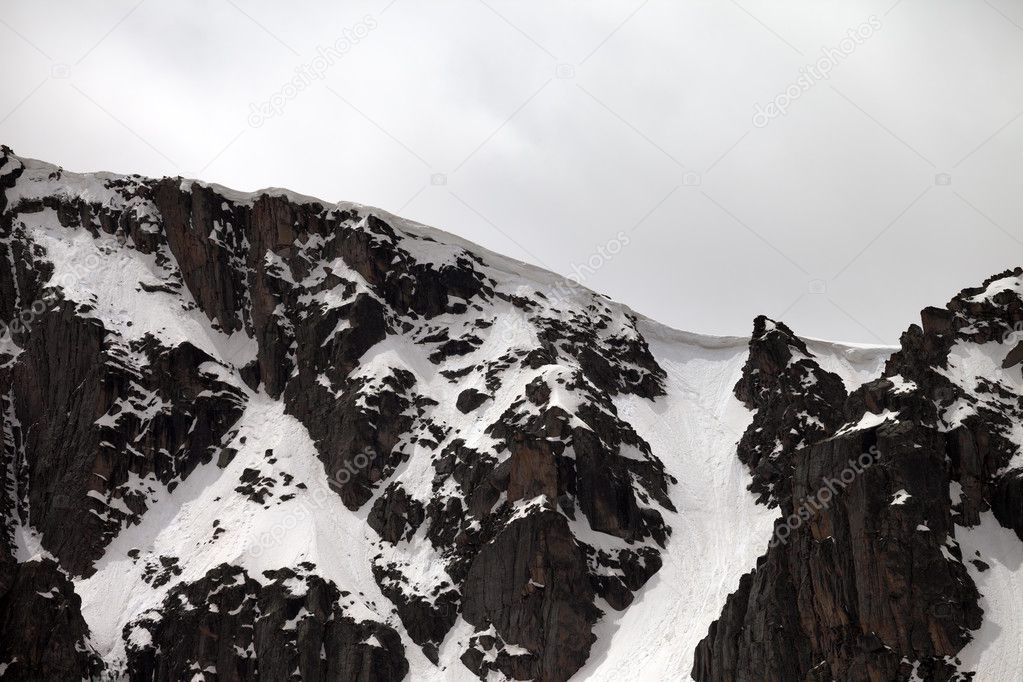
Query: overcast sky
[[892, 179]]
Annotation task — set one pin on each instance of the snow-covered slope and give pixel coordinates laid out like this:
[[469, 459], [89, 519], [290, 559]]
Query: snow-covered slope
[[259, 436]]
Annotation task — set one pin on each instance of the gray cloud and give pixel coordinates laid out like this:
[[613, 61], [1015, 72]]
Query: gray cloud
[[544, 130]]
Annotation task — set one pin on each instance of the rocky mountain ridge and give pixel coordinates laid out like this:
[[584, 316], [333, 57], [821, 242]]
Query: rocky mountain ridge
[[259, 436], [115, 396], [865, 578]]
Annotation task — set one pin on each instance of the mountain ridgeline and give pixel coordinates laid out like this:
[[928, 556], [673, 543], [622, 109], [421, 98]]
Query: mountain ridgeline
[[263, 437]]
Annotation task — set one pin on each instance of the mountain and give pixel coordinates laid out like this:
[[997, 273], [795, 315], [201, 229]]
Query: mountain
[[263, 437]]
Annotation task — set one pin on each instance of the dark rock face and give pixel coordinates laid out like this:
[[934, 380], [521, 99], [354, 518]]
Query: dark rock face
[[535, 565], [268, 269], [85, 409], [864, 579], [228, 623], [42, 633], [795, 403], [90, 410], [498, 553], [552, 470], [1007, 500]]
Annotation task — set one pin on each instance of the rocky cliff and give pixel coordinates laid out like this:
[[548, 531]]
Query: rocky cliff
[[257, 436], [865, 578], [464, 415]]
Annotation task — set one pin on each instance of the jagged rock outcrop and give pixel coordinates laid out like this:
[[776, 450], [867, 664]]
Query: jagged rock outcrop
[[103, 413], [535, 565], [864, 578], [229, 625], [42, 633], [105, 425], [794, 401], [1006, 497]]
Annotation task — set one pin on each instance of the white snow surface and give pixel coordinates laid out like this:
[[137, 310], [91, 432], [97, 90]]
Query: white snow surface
[[996, 652]]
